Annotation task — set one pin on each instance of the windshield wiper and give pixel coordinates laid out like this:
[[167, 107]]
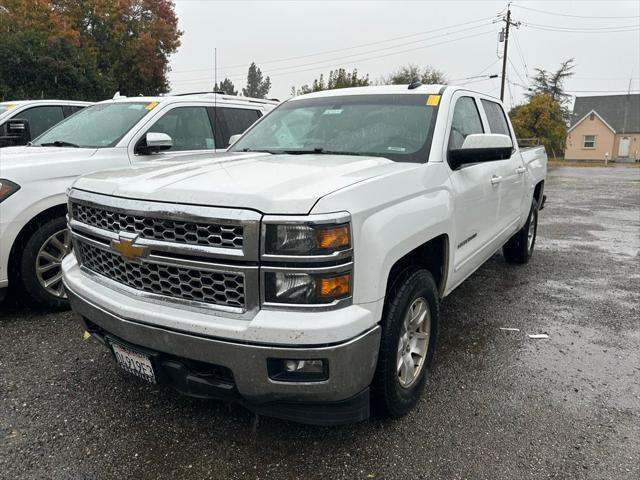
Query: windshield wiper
[[59, 143], [321, 151], [258, 151]]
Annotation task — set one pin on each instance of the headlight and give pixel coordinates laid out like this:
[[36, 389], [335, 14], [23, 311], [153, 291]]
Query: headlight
[[7, 189], [299, 288], [306, 239]]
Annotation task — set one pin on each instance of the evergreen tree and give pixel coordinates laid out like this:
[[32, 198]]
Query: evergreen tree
[[226, 86], [552, 84], [257, 86], [339, 78]]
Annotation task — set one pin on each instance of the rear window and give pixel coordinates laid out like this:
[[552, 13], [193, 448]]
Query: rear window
[[495, 116]]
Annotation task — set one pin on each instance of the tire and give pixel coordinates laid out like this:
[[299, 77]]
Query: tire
[[390, 397], [39, 265], [519, 248]]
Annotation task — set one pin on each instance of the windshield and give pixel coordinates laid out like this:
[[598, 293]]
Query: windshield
[[99, 126], [391, 126]]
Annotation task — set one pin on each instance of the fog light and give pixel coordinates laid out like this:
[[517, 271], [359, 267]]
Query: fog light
[[295, 370]]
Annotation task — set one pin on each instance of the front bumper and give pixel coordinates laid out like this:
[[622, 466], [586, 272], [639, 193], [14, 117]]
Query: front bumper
[[342, 398]]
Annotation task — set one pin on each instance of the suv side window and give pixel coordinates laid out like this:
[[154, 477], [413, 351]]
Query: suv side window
[[496, 117], [41, 119], [466, 120], [236, 120], [188, 127]]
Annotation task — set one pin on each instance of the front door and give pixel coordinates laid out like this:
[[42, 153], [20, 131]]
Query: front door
[[623, 148]]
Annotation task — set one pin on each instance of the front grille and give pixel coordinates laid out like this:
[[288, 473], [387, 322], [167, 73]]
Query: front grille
[[217, 288], [187, 232]]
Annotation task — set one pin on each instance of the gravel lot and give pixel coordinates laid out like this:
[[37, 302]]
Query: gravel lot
[[499, 405]]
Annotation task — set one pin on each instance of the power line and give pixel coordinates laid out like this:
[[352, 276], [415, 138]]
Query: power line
[[325, 52], [549, 28], [517, 72], [599, 17], [334, 65], [520, 52]]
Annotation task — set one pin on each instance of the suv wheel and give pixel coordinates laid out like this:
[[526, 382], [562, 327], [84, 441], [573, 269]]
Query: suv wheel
[[409, 329], [40, 266]]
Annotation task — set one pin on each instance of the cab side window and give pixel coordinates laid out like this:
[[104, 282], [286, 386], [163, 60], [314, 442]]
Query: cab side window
[[188, 127], [41, 119], [235, 120], [496, 117], [466, 121]]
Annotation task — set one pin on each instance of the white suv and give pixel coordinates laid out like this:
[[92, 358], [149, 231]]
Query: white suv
[[22, 121], [112, 134]]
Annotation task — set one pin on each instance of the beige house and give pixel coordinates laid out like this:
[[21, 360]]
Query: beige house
[[606, 126]]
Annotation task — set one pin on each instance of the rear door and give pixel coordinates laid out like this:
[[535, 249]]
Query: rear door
[[476, 197], [511, 173]]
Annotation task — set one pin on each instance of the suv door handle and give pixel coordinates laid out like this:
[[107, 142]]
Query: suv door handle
[[495, 180], [520, 170]]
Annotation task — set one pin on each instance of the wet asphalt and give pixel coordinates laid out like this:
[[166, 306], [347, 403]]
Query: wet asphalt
[[499, 405]]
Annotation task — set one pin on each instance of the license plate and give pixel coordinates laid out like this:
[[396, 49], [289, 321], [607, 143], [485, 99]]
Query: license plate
[[136, 363]]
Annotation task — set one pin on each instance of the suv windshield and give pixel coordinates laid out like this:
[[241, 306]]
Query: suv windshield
[[392, 126], [99, 126]]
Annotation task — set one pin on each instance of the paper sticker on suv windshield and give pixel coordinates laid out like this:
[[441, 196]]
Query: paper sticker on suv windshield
[[332, 111], [397, 149], [151, 106], [433, 100]]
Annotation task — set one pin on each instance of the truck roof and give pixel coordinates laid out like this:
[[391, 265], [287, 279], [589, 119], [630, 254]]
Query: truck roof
[[433, 89]]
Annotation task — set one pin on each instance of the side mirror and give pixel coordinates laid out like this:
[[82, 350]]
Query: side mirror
[[234, 138], [481, 147], [154, 142], [17, 132]]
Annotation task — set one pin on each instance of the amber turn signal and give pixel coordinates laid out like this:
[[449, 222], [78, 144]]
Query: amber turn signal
[[334, 237], [335, 287]]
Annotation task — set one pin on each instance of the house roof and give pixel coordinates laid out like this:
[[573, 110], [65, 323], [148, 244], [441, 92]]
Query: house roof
[[620, 112]]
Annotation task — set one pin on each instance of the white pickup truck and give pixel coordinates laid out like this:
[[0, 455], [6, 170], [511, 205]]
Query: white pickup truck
[[111, 134], [300, 273]]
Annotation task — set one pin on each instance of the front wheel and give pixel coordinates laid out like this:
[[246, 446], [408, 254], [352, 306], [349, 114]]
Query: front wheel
[[519, 248], [409, 327], [40, 264]]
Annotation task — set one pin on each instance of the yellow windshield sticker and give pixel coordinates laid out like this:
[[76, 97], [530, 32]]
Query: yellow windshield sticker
[[433, 100], [151, 106]]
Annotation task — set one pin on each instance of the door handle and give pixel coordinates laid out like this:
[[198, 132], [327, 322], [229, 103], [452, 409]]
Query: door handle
[[495, 180], [520, 170]]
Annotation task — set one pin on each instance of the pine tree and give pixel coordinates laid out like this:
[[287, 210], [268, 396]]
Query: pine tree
[[257, 86], [226, 86]]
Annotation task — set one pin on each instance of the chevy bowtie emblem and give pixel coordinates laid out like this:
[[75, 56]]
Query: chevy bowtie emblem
[[126, 247]]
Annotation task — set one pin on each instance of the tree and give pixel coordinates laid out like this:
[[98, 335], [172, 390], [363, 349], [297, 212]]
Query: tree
[[552, 84], [339, 78], [226, 86], [411, 73], [85, 49], [257, 86], [541, 118]]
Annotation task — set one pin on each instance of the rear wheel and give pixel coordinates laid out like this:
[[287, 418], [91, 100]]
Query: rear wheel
[[409, 329], [41, 264], [519, 248]]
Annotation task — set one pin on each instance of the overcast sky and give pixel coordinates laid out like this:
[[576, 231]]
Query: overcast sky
[[293, 42]]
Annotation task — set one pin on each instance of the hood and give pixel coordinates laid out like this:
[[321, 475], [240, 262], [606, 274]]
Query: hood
[[14, 159], [275, 184]]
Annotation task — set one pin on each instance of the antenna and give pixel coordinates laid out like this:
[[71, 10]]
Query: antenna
[[215, 95]]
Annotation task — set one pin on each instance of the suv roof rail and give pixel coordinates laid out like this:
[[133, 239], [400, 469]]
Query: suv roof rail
[[414, 85], [219, 92]]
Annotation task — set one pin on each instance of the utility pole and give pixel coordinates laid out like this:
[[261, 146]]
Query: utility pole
[[508, 21]]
